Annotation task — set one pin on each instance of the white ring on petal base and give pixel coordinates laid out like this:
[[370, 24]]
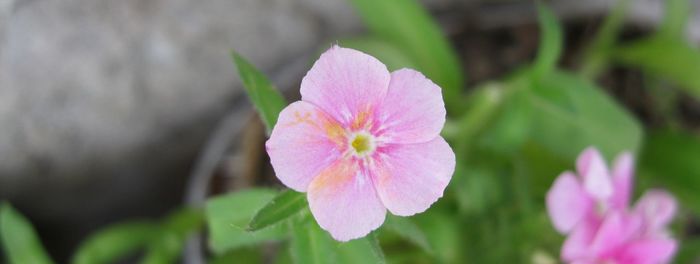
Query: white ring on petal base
[[368, 145]]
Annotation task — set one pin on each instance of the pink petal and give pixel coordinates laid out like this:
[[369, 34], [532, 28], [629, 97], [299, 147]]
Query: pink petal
[[345, 83], [614, 233], [411, 177], [413, 110], [653, 251], [596, 179], [623, 174], [567, 202], [303, 142], [577, 244], [657, 208], [343, 201]]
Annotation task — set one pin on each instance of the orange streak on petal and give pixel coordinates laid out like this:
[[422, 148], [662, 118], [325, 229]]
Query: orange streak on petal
[[334, 176]]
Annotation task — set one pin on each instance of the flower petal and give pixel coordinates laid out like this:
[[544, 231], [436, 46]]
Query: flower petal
[[567, 202], [651, 251], [657, 208], [577, 244], [303, 142], [345, 83], [596, 178], [411, 177], [623, 174], [343, 201], [413, 110]]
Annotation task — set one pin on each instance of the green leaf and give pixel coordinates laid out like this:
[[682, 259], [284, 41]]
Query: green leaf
[[689, 252], [443, 234], [362, 250], [670, 159], [406, 228], [20, 242], [115, 242], [264, 96], [286, 204], [670, 58], [581, 115], [675, 18], [229, 215], [550, 41], [311, 245], [168, 246], [242, 255], [408, 25], [597, 54], [394, 57]]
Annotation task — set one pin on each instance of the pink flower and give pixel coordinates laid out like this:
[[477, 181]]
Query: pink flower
[[362, 140], [593, 210]]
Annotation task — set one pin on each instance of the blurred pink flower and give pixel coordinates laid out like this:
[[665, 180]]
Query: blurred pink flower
[[362, 140], [593, 210]]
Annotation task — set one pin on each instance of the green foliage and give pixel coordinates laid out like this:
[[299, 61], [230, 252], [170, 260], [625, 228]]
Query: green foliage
[[20, 242], [670, 159], [407, 25], [550, 41], [264, 96], [283, 206], [174, 231], [406, 228], [228, 216], [570, 114], [670, 58], [311, 244], [115, 242]]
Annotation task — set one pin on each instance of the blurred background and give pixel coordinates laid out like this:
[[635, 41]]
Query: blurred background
[[107, 107]]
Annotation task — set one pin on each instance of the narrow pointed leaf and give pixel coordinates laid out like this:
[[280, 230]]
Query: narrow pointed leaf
[[408, 25], [283, 206], [550, 41], [115, 242], [20, 242], [264, 96]]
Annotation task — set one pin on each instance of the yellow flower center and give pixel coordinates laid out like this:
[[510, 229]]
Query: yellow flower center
[[362, 144]]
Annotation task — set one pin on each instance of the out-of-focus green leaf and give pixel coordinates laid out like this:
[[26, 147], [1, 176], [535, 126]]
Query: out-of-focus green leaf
[[443, 234], [598, 52], [362, 250], [394, 57], [286, 204], [670, 58], [264, 96], [168, 246], [229, 215], [483, 104], [406, 228], [406, 24], [242, 255], [550, 41], [20, 242], [671, 159], [581, 115], [311, 245], [689, 252], [476, 189], [675, 18], [115, 242]]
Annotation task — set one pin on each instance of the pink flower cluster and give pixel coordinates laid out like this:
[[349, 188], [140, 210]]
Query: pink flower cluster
[[591, 208]]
